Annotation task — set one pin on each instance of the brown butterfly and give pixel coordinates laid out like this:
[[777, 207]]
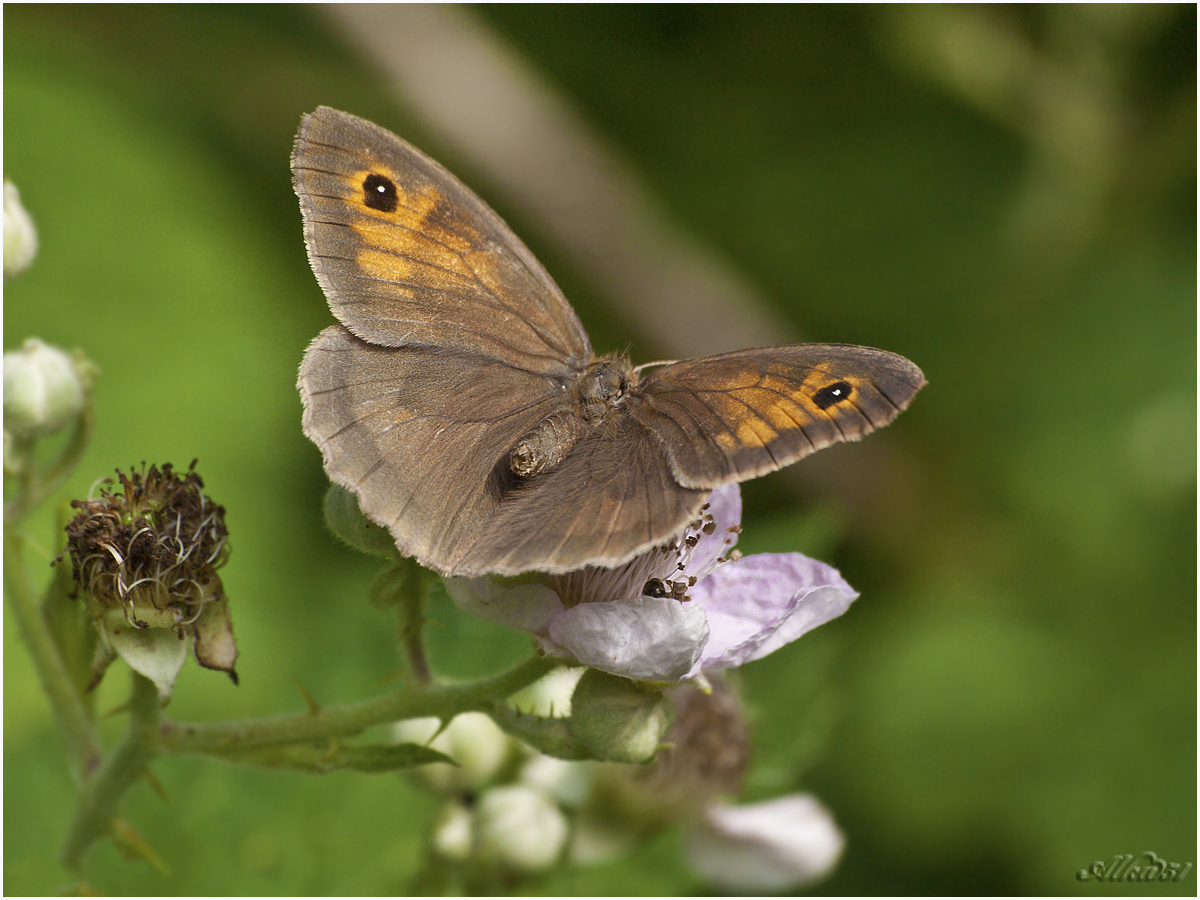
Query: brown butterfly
[[460, 399]]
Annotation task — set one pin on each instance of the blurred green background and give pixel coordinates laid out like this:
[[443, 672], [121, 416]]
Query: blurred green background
[[1007, 196]]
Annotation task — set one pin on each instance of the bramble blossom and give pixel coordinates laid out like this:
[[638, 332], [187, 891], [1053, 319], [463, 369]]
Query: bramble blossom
[[673, 612]]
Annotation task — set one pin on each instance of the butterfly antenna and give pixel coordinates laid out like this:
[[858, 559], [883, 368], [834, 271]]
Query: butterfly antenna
[[661, 362]]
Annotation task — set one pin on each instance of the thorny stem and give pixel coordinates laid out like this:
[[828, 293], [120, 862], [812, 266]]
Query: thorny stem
[[551, 736], [102, 794], [69, 708], [445, 702]]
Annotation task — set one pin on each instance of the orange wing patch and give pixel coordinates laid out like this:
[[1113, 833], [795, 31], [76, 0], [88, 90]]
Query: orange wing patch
[[753, 431], [768, 406], [407, 229], [819, 394]]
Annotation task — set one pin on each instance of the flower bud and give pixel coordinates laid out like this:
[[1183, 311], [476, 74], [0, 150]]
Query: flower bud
[[451, 835], [567, 782], [146, 558], [549, 696], [20, 237], [347, 522], [775, 846], [45, 389], [519, 828], [472, 740], [618, 720]]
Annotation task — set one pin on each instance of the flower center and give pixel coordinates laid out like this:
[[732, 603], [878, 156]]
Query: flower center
[[666, 571]]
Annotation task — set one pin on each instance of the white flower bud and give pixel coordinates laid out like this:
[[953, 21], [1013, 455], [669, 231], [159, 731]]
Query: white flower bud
[[20, 237], [472, 740], [569, 783], [549, 697], [452, 833], [766, 847], [596, 840], [44, 390], [519, 828]]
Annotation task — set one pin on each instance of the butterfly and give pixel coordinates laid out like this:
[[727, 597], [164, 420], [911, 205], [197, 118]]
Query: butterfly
[[460, 400]]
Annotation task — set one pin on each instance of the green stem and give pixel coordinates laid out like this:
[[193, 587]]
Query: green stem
[[26, 479], [68, 706], [35, 488], [442, 701], [412, 623], [102, 794], [62, 467]]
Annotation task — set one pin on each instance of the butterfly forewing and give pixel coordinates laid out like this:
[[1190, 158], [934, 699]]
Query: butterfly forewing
[[408, 256], [738, 415]]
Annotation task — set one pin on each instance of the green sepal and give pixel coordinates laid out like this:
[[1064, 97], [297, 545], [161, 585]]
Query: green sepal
[[619, 720], [347, 522]]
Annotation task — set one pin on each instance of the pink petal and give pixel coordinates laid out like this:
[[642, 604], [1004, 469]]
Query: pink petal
[[759, 603], [725, 506]]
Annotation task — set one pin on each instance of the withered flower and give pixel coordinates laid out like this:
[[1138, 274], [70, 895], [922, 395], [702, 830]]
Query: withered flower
[[145, 558]]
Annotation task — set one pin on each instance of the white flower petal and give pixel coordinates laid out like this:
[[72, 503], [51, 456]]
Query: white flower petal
[[774, 846], [760, 603], [644, 638], [525, 607]]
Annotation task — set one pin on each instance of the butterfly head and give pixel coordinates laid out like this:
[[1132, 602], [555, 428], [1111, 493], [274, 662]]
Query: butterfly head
[[604, 386]]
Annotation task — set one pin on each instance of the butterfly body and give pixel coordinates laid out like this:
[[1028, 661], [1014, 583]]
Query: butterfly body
[[459, 397]]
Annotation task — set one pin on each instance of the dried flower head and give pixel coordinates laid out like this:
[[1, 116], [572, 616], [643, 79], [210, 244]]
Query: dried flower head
[[146, 558]]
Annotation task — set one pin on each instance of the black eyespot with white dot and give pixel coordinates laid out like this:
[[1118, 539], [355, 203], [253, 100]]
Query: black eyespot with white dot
[[838, 392], [379, 192]]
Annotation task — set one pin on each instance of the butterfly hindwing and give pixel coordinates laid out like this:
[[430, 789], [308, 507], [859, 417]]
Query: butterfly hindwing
[[415, 434], [613, 496]]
